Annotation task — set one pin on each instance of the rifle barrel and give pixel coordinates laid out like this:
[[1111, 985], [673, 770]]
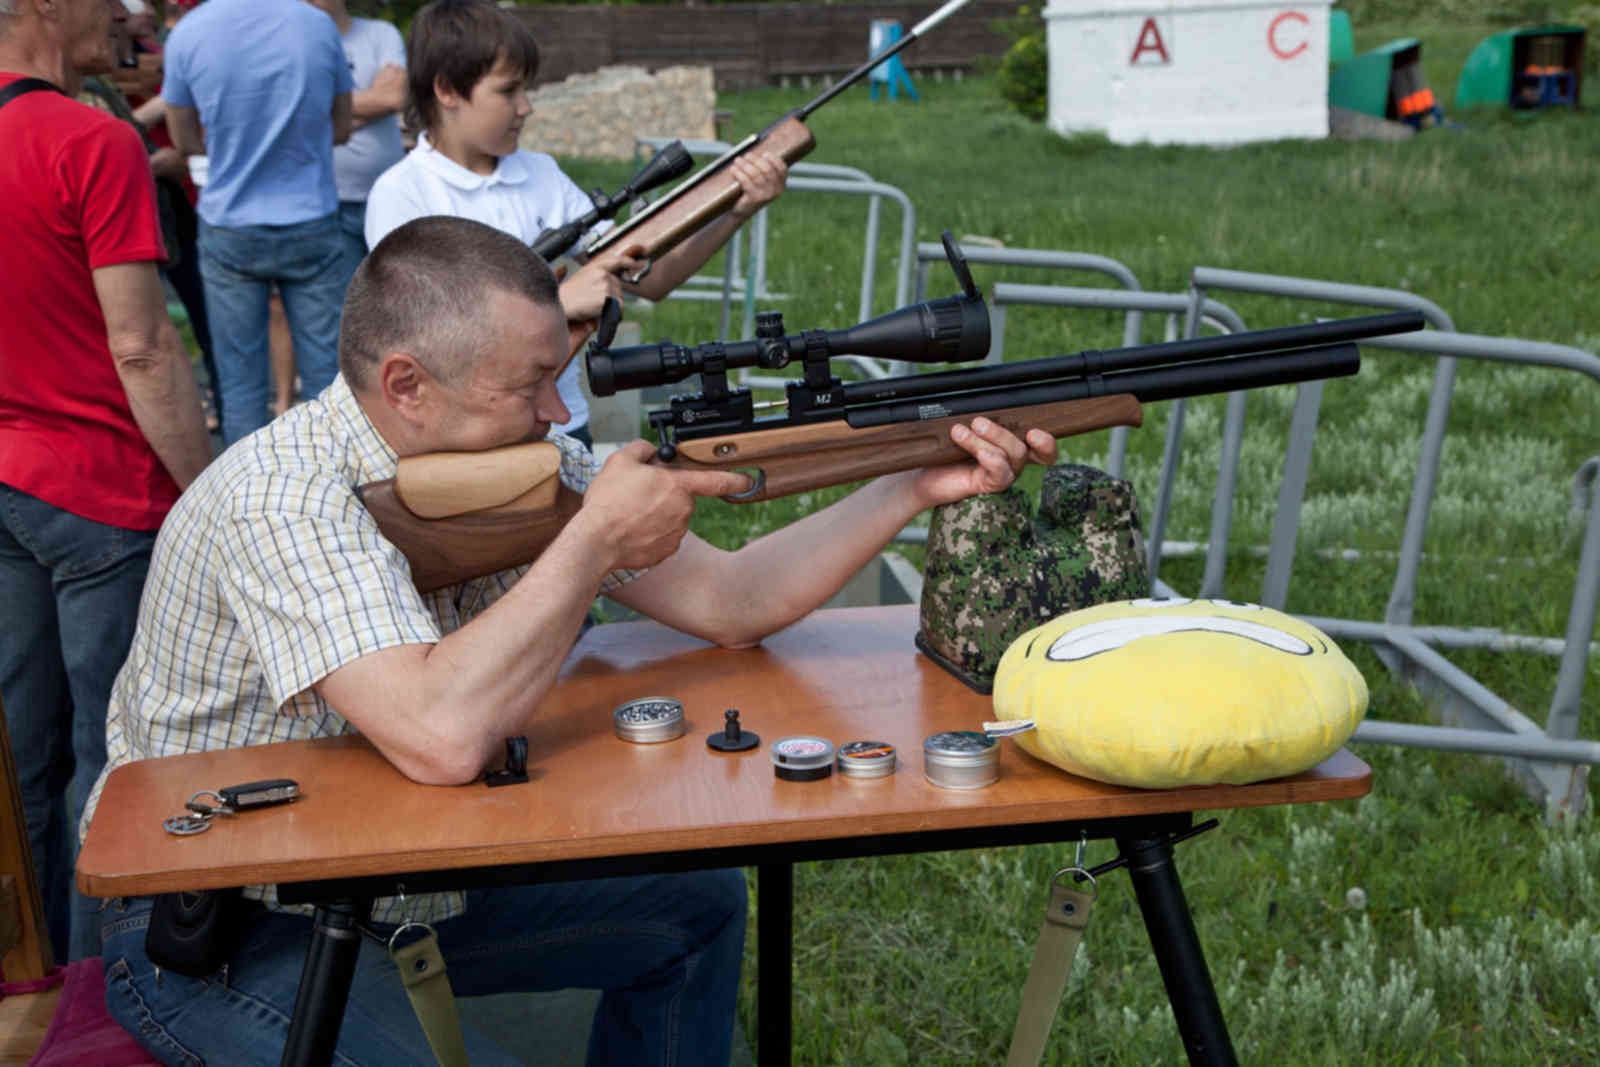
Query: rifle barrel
[[950, 8], [1084, 364], [1223, 374]]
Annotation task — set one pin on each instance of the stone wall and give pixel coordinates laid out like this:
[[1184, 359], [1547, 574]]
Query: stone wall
[[598, 114]]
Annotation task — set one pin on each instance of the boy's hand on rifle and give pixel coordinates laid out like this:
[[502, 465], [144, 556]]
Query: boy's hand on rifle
[[641, 510], [998, 456], [761, 178], [585, 291]]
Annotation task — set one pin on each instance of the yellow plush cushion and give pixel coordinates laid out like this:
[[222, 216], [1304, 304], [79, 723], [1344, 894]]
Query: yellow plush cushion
[[1162, 693]]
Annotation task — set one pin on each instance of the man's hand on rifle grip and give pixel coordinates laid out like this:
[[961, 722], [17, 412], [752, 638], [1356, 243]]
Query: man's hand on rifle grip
[[761, 178], [998, 456], [640, 510]]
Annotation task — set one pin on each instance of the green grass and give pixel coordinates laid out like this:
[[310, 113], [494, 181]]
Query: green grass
[[1480, 940]]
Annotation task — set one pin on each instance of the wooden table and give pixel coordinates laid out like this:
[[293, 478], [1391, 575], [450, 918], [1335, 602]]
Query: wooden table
[[596, 806]]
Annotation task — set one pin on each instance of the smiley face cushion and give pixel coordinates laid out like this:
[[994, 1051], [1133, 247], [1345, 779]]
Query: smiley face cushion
[[1163, 693]]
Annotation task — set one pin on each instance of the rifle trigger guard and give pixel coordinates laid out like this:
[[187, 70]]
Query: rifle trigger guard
[[637, 278], [749, 494]]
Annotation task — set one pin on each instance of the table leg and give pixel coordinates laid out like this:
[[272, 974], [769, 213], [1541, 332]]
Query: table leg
[[325, 983], [1177, 948], [774, 962]]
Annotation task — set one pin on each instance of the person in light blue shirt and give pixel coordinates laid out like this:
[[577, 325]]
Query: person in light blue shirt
[[377, 57], [262, 89]]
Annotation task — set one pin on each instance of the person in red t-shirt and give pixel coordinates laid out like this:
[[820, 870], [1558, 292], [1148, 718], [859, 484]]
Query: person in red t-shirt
[[100, 422]]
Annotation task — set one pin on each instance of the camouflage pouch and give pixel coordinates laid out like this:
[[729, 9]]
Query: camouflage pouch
[[994, 572]]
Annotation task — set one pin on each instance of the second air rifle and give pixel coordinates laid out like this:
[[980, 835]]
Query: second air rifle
[[457, 516], [712, 191]]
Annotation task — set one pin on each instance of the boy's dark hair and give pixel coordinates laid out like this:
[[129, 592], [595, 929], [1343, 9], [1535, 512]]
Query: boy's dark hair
[[421, 290], [458, 42]]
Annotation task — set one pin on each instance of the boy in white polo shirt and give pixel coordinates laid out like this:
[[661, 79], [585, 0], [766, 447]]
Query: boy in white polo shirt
[[468, 67]]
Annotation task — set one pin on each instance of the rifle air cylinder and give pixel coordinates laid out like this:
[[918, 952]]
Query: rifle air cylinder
[[1083, 364], [1195, 378]]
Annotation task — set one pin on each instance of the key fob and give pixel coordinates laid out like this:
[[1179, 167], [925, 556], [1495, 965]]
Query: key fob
[[261, 794]]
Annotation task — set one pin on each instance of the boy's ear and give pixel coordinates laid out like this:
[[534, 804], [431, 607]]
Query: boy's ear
[[445, 94]]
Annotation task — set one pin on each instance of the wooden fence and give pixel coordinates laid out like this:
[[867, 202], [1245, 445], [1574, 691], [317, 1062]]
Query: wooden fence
[[750, 45]]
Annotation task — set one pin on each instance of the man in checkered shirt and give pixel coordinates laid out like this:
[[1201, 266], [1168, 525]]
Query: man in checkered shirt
[[275, 610]]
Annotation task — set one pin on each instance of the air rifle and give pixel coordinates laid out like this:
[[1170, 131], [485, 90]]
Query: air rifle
[[666, 223], [457, 516], [671, 162]]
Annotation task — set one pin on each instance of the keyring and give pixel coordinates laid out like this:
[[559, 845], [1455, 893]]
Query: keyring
[[186, 825]]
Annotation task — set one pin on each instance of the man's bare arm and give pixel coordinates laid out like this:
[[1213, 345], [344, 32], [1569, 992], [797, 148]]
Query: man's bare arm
[[385, 96], [441, 713], [343, 120], [735, 599], [153, 366], [183, 126]]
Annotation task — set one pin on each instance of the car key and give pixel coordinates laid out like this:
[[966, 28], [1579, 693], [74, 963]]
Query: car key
[[263, 794]]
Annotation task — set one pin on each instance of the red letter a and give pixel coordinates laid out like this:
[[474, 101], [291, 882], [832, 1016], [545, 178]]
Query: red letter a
[[1149, 41]]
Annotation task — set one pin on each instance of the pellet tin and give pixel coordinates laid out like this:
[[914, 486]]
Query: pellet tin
[[802, 759], [649, 719], [961, 759], [866, 759]]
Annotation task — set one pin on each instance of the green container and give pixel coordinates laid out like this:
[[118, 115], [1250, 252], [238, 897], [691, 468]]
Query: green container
[[1341, 38], [1362, 84], [1488, 78]]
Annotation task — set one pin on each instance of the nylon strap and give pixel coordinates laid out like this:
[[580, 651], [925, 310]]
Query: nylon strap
[[25, 85], [422, 972], [1065, 917]]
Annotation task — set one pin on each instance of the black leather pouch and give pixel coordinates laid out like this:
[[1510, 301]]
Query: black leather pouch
[[194, 934]]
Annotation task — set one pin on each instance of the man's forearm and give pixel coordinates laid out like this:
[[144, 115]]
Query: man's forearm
[[736, 599], [166, 405]]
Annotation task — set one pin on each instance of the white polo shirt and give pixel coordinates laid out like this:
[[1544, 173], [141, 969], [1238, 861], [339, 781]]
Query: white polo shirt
[[526, 195]]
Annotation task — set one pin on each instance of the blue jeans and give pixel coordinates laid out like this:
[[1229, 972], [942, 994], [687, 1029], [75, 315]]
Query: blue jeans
[[666, 950], [353, 226], [69, 598], [310, 262]]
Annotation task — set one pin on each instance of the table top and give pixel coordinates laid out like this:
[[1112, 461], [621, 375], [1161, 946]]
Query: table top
[[843, 674]]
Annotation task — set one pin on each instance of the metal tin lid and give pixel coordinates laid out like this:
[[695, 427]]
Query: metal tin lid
[[801, 758], [802, 753], [960, 748], [649, 719], [866, 759]]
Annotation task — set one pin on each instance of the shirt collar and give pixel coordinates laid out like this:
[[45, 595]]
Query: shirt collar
[[375, 460], [508, 170]]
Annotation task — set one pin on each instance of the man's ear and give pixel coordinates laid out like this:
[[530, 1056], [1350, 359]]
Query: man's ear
[[406, 386]]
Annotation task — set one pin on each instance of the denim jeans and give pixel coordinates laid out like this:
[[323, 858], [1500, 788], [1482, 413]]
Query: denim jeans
[[666, 950], [69, 598], [353, 225], [311, 264]]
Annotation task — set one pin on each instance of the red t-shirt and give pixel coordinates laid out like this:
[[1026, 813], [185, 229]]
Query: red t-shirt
[[76, 194]]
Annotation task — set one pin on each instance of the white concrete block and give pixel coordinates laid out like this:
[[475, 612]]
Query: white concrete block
[[1188, 71]]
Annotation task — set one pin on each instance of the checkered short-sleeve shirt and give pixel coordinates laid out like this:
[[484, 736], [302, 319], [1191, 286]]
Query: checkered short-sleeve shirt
[[268, 576]]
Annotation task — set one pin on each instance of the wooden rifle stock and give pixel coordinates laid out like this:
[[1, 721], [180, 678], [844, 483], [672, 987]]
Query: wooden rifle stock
[[469, 538], [710, 193]]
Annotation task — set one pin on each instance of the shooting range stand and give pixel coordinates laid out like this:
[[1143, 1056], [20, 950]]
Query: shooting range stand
[[1387, 83], [1527, 69]]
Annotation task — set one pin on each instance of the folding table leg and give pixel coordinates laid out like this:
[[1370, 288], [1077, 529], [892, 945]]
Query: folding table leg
[[774, 962], [1177, 948], [325, 983]]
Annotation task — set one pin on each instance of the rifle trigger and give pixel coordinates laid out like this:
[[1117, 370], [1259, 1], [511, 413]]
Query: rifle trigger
[[759, 484], [637, 278]]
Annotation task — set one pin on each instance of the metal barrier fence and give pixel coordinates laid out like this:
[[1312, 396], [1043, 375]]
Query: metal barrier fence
[[1551, 762]]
